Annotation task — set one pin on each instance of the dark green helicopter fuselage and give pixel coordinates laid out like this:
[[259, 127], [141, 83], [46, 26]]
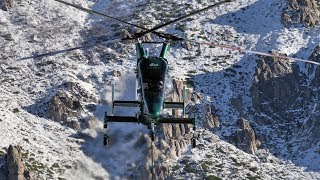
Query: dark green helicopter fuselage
[[152, 74]]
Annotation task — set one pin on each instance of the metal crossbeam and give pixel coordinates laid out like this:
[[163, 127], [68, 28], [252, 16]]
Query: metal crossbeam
[[173, 105], [177, 120], [127, 103], [121, 119]]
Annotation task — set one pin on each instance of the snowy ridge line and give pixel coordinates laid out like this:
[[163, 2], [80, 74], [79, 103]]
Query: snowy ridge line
[[235, 48]]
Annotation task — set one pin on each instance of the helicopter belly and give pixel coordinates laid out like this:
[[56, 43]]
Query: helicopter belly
[[152, 73]]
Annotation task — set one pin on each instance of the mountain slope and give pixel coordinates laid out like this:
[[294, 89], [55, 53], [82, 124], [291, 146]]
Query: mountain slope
[[53, 150]]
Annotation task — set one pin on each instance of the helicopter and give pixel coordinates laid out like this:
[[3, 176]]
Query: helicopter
[[151, 76]]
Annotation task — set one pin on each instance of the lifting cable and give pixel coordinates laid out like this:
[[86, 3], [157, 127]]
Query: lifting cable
[[152, 160]]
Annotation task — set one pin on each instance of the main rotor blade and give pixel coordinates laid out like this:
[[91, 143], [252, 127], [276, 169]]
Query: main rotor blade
[[251, 52], [182, 18], [53, 53], [163, 35], [98, 13]]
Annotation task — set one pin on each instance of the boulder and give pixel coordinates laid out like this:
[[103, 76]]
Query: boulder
[[146, 38], [125, 33], [74, 124], [57, 110], [116, 73]]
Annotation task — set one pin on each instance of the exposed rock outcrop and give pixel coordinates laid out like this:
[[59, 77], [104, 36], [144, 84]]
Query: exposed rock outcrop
[[175, 136], [310, 129], [315, 56], [301, 11], [244, 138], [276, 86], [116, 73], [237, 104], [145, 38], [286, 100], [275, 89], [69, 103], [6, 5], [15, 165], [212, 119], [125, 33]]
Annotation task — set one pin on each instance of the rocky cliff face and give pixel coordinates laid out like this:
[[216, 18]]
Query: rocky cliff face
[[305, 12], [275, 87], [310, 129], [281, 113], [285, 99]]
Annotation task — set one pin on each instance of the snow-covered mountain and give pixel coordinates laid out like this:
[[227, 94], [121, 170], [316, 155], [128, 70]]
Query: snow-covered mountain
[[258, 116]]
